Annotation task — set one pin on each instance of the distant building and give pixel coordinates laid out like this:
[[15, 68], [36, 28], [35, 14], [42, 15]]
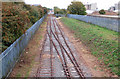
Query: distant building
[[91, 7], [75, 0], [112, 8], [115, 8], [51, 12]]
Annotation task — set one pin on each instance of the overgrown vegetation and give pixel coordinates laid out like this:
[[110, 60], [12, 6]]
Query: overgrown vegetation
[[102, 42], [17, 17]]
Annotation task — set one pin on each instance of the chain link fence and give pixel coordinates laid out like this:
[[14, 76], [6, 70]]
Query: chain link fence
[[110, 23], [11, 55]]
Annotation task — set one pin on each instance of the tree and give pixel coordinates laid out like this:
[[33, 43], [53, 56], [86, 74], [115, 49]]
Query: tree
[[102, 12], [76, 7], [56, 10], [59, 11], [63, 11]]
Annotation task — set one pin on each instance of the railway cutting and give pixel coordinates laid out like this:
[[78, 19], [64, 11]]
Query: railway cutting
[[58, 58]]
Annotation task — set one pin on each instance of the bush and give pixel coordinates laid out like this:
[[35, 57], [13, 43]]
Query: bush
[[102, 12]]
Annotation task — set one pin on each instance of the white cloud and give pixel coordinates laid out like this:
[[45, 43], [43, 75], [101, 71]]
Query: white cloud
[[102, 4]]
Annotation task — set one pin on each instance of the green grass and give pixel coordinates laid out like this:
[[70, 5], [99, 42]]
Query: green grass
[[103, 43], [18, 75]]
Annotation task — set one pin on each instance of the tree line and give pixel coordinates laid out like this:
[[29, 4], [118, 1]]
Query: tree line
[[76, 7]]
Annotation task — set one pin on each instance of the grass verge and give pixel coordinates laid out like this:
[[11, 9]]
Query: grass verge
[[103, 43]]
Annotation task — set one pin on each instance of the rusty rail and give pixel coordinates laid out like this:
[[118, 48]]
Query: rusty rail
[[65, 62], [65, 68], [52, 23], [80, 71], [72, 60], [51, 53]]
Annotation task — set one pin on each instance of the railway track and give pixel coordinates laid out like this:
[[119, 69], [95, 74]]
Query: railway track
[[57, 58]]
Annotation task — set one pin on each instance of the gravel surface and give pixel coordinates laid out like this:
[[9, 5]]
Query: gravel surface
[[46, 59]]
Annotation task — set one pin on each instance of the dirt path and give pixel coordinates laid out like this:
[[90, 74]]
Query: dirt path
[[85, 55], [29, 61]]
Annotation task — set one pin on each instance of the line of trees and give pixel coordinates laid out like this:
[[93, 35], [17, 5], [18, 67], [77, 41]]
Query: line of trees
[[76, 7], [59, 11], [17, 17]]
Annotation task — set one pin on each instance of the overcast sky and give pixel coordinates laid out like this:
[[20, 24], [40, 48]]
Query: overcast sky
[[102, 4]]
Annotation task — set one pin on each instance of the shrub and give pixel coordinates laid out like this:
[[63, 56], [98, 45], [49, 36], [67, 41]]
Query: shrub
[[102, 12]]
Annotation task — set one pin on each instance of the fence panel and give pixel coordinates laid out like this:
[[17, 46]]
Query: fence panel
[[10, 56], [110, 23]]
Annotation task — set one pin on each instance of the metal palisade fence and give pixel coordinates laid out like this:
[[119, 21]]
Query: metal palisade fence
[[110, 23], [11, 55]]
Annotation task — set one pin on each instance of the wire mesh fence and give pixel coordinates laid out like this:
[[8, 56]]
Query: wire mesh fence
[[10, 56], [110, 23]]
